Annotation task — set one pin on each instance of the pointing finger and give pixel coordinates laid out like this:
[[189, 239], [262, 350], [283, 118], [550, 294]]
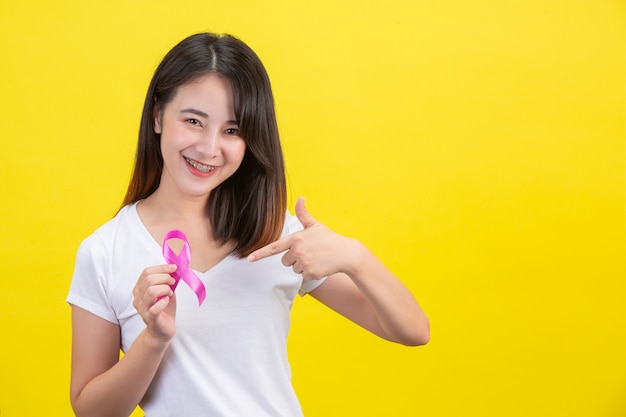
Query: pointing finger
[[271, 249]]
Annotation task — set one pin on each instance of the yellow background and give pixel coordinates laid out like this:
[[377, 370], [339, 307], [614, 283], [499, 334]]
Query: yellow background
[[478, 147]]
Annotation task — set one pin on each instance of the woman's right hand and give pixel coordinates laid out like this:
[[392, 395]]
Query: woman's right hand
[[154, 300], [101, 383]]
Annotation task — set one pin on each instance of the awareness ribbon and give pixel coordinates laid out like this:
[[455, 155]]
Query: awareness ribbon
[[183, 271]]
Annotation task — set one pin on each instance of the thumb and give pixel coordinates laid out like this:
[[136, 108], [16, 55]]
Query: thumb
[[303, 214]]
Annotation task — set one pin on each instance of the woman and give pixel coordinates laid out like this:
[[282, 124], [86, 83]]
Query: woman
[[209, 163]]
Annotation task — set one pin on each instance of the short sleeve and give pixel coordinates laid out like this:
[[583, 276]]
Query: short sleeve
[[88, 289], [293, 225], [309, 285]]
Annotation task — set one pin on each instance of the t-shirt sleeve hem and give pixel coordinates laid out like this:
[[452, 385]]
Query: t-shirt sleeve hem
[[310, 285], [78, 301]]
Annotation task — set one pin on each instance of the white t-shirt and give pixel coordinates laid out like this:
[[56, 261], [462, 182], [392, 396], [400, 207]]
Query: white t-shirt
[[228, 357]]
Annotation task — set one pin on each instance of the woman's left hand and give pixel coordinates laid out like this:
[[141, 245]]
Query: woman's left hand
[[358, 287], [315, 252]]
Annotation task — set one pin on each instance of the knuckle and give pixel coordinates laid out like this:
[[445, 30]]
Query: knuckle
[[152, 292], [273, 248]]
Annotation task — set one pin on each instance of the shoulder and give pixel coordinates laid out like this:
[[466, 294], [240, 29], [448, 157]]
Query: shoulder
[[93, 285], [104, 236]]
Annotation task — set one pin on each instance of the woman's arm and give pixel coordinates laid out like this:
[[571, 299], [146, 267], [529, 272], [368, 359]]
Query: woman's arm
[[358, 286], [103, 385], [376, 300]]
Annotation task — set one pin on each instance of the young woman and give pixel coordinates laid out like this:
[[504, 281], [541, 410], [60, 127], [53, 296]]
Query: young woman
[[209, 164]]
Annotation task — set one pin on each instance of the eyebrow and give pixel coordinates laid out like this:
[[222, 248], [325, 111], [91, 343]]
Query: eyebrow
[[195, 111], [203, 114]]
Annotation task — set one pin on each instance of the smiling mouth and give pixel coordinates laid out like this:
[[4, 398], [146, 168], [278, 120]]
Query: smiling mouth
[[197, 165]]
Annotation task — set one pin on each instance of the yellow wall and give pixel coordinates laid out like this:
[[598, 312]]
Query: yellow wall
[[477, 146]]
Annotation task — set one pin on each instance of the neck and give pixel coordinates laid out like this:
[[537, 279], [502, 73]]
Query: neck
[[167, 207]]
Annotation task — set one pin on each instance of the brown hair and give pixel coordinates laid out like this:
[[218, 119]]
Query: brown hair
[[249, 207]]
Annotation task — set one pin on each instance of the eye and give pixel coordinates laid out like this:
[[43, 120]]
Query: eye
[[194, 122], [232, 131]]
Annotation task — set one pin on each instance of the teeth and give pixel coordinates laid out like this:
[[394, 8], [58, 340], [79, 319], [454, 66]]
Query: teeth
[[199, 166]]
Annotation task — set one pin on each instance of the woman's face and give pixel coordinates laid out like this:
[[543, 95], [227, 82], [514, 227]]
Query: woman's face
[[200, 141]]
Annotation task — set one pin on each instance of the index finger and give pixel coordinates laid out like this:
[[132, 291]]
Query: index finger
[[270, 250], [160, 269]]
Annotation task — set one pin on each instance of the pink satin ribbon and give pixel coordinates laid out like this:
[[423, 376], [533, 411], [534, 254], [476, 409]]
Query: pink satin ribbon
[[182, 264]]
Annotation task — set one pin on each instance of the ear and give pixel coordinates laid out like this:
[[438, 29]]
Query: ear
[[156, 116]]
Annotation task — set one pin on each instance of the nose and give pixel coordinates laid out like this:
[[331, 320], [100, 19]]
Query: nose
[[209, 144]]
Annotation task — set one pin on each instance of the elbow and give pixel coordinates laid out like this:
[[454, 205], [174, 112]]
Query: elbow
[[73, 403], [420, 335], [78, 411], [78, 407]]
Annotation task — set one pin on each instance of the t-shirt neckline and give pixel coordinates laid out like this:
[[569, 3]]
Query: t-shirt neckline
[[152, 244]]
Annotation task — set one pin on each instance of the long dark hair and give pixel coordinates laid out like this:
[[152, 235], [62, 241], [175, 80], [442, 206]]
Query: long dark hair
[[249, 207]]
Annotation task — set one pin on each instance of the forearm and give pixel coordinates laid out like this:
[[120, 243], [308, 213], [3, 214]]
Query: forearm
[[397, 311], [118, 391]]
